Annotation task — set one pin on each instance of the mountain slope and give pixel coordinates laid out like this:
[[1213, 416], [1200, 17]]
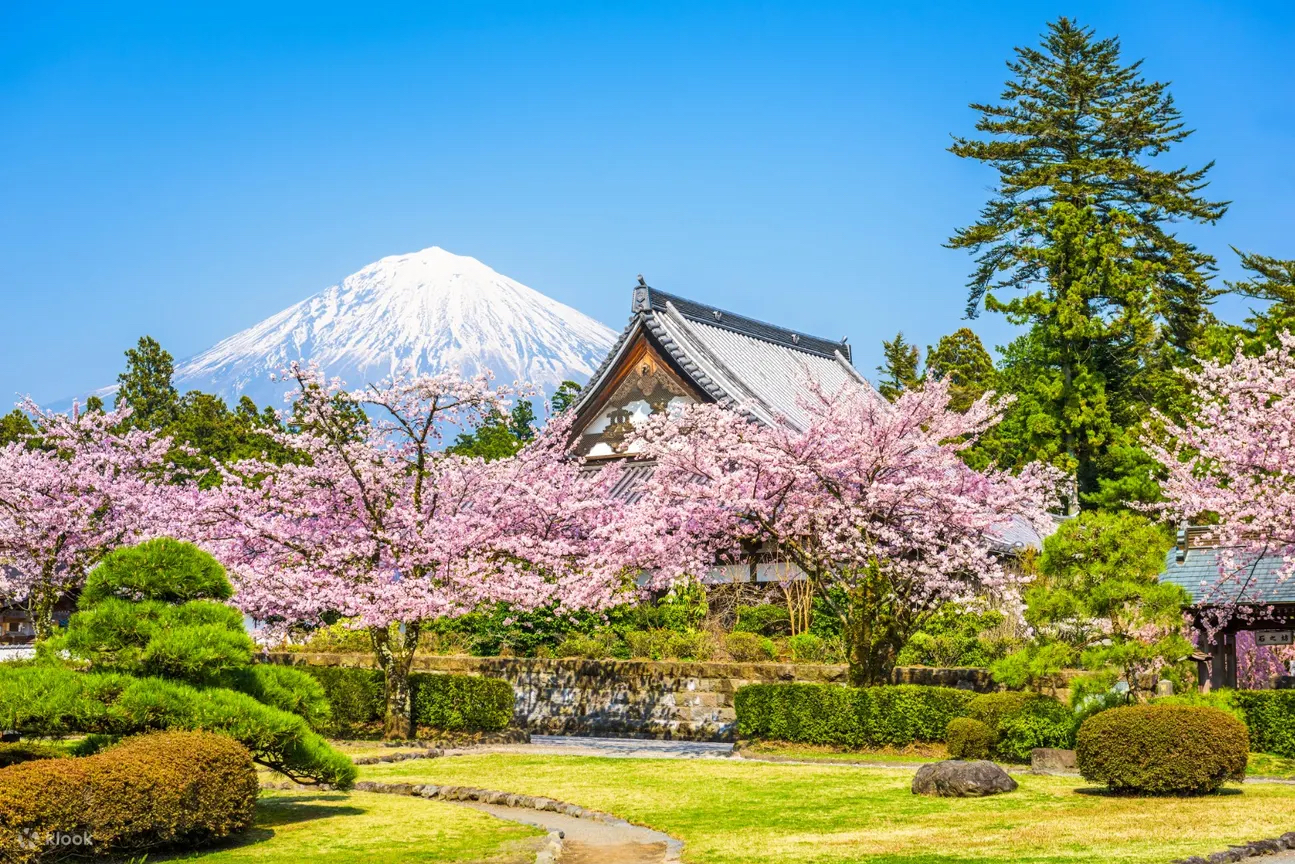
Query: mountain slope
[[425, 312]]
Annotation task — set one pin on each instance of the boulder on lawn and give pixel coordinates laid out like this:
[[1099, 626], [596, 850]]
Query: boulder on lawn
[[957, 779], [1052, 760]]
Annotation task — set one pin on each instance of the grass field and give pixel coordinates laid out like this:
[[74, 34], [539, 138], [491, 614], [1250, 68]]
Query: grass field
[[740, 812], [294, 828]]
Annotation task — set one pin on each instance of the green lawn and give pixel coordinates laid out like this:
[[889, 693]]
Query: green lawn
[[295, 827], [736, 812]]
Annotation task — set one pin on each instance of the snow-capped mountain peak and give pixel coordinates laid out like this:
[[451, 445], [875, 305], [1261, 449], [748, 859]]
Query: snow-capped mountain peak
[[425, 312]]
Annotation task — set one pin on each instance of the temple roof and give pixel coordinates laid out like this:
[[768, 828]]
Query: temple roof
[[1194, 564], [749, 365]]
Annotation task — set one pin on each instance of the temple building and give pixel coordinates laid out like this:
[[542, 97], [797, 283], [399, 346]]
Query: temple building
[[675, 352]]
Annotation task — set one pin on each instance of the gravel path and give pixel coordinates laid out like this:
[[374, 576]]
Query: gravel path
[[589, 842]]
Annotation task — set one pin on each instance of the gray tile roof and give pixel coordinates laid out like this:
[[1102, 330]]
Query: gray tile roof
[[1198, 573], [758, 368]]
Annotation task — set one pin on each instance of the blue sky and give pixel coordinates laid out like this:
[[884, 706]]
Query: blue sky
[[184, 171]]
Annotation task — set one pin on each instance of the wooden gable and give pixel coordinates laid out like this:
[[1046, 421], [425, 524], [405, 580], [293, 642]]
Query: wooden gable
[[642, 384]]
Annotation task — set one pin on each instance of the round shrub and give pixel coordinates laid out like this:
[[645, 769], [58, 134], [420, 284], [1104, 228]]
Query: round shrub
[[580, 645], [1022, 722], [1163, 749], [168, 790], [808, 648], [969, 739], [749, 647]]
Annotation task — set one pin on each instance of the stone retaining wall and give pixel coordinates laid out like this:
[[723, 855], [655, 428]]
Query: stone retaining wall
[[636, 698]]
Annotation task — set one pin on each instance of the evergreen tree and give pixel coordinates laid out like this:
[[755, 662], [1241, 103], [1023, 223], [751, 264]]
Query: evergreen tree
[[565, 396], [1271, 280], [962, 359], [900, 371], [15, 427], [521, 421], [1079, 235], [146, 385]]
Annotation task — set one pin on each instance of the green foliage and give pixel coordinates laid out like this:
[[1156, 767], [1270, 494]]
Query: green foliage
[[684, 607], [899, 372], [1022, 722], [15, 427], [969, 739], [499, 435], [1082, 232], [961, 359], [356, 703], [48, 701], [498, 628], [28, 751], [809, 648], [1097, 601], [590, 647], [766, 619], [452, 703], [848, 716], [146, 385], [564, 397], [749, 647], [1163, 749], [164, 570], [462, 703], [1270, 717], [1271, 281], [954, 636], [169, 790], [283, 687]]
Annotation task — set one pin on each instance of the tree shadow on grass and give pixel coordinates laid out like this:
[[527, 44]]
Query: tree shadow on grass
[[1103, 792], [271, 813]]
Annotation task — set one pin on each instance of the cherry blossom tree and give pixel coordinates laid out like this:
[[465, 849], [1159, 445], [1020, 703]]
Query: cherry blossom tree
[[375, 522], [1233, 462], [870, 500], [77, 488]]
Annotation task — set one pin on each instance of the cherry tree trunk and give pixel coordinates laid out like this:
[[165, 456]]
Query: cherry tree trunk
[[395, 647]]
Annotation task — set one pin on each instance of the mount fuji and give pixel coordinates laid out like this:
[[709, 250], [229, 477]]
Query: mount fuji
[[425, 312]]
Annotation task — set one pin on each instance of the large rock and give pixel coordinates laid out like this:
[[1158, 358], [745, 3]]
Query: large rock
[[956, 779], [1050, 760]]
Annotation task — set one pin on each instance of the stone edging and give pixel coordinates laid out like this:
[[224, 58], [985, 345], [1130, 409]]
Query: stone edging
[[464, 793], [430, 753], [551, 851], [1254, 849]]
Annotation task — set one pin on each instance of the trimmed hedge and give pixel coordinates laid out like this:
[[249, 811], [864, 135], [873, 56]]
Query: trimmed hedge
[[969, 739], [462, 703], [453, 703], [50, 700], [848, 716], [1270, 717], [1023, 721], [1163, 749], [173, 789]]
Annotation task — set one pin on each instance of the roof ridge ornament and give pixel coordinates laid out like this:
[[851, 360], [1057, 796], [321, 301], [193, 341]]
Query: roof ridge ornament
[[639, 300]]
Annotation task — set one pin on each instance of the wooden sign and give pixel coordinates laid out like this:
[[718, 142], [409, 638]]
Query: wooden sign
[[1274, 637]]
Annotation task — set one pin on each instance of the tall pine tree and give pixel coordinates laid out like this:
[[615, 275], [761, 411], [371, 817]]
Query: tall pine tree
[[146, 385], [1077, 244], [961, 358]]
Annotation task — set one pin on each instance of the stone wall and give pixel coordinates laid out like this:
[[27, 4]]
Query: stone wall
[[636, 698]]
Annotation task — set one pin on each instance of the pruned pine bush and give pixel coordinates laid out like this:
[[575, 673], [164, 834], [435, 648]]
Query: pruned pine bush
[[1022, 722], [166, 790], [462, 703], [50, 700], [1270, 717], [749, 647], [969, 739], [283, 687], [27, 751], [848, 716], [1163, 749]]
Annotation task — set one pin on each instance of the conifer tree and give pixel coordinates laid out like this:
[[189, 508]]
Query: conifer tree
[[146, 385], [900, 371], [961, 358], [1077, 244]]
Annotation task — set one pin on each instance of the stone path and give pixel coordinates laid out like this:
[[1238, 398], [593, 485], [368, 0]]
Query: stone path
[[589, 842], [627, 748]]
